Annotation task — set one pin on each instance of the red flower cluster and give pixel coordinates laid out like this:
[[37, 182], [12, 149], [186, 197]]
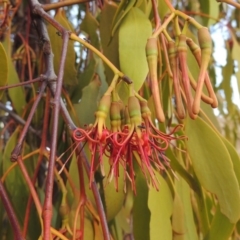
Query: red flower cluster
[[132, 136]]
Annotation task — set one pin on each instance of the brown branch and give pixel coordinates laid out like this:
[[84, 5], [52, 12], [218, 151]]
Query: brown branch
[[230, 2], [38, 79], [17, 118], [50, 74], [10, 212], [56, 5], [18, 149], [47, 211]]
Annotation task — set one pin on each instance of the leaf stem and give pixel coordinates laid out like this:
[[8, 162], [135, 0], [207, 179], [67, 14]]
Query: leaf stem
[[51, 6], [164, 25], [74, 37], [230, 2], [10, 212]]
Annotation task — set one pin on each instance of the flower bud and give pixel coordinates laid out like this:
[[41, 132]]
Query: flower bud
[[134, 110], [152, 59], [101, 114], [205, 43], [115, 116], [182, 54], [172, 52]]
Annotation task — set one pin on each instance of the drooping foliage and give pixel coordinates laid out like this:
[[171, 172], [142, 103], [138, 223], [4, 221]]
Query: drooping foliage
[[119, 120]]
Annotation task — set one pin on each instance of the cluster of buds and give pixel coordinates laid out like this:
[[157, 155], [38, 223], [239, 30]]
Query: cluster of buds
[[175, 53], [131, 137]]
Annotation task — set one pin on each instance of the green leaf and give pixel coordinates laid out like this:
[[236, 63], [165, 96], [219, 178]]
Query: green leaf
[[133, 34], [141, 213], [85, 110], [236, 56], [110, 48], [213, 166], [70, 73], [3, 68], [234, 157], [124, 7], [227, 72], [178, 219], [160, 204], [15, 183], [84, 79], [210, 8], [221, 227], [183, 190], [90, 26], [16, 94], [163, 9]]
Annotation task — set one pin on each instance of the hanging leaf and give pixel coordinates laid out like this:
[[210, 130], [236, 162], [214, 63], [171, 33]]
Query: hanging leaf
[[178, 220], [133, 34], [16, 94], [227, 72], [15, 184], [183, 190], [86, 108], [70, 73], [141, 213], [110, 48], [221, 227], [211, 8], [124, 7], [213, 166], [160, 204], [236, 56], [3, 69], [234, 157], [84, 79], [163, 9], [90, 26]]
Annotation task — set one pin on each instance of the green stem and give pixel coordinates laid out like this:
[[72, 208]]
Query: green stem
[[189, 19], [74, 37], [164, 25]]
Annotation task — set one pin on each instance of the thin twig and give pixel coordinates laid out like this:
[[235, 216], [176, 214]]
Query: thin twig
[[17, 118], [56, 5], [10, 212], [17, 150], [230, 2], [47, 212]]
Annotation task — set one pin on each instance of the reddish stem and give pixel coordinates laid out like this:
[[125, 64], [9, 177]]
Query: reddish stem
[[10, 212]]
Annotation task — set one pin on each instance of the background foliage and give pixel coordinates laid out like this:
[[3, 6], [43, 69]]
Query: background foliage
[[198, 194]]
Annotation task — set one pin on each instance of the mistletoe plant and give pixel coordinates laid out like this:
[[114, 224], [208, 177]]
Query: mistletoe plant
[[106, 116]]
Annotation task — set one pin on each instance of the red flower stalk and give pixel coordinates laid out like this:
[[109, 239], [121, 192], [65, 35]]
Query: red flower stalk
[[138, 138]]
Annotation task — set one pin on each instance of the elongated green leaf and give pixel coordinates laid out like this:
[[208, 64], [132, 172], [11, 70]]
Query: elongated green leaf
[[70, 72], [225, 84], [160, 204], [133, 34], [234, 157], [236, 56], [124, 7], [86, 108], [84, 79], [183, 190], [178, 220], [14, 183], [16, 94], [210, 8], [213, 166], [162, 9], [90, 26], [3, 69], [141, 213], [110, 48], [221, 227]]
